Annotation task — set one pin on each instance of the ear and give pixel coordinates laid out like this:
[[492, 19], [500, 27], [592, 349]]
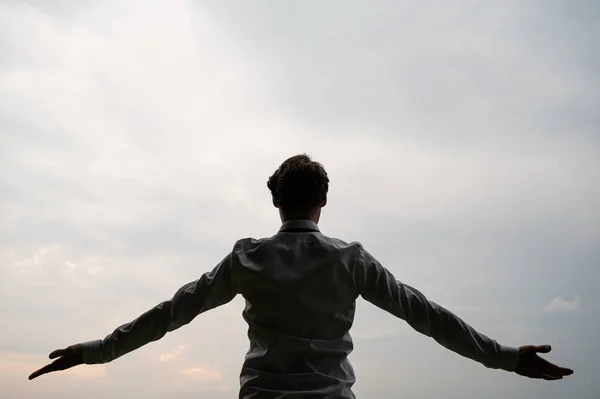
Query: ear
[[323, 203], [275, 204]]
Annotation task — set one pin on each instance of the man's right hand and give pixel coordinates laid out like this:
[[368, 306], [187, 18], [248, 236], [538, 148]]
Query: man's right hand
[[532, 366]]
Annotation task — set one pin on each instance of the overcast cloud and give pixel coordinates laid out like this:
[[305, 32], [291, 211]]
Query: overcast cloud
[[462, 141]]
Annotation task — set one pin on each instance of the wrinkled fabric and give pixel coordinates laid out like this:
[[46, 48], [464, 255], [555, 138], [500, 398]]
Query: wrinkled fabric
[[300, 288]]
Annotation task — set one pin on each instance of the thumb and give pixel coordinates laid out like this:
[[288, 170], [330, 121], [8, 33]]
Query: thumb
[[62, 352], [543, 349], [58, 353]]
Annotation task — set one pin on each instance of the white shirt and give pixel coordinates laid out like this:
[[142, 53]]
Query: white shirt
[[301, 288]]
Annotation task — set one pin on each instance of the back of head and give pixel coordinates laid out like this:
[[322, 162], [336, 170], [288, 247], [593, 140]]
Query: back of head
[[299, 185]]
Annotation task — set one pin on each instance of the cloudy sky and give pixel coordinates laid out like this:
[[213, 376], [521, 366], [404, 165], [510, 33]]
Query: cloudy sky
[[462, 141]]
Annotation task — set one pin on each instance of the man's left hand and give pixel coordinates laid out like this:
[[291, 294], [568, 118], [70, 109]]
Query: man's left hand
[[65, 359]]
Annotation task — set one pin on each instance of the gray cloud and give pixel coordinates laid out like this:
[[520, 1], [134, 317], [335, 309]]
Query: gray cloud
[[456, 74], [560, 304]]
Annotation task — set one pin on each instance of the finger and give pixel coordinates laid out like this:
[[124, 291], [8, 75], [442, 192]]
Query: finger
[[558, 374], [554, 374], [551, 368], [46, 369], [62, 363], [564, 371], [551, 377], [556, 370]]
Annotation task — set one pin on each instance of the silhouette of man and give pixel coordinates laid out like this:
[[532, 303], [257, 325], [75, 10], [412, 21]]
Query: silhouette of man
[[300, 288]]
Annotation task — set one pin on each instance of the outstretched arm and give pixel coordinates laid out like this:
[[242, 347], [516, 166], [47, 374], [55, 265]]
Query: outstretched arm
[[377, 285], [211, 290]]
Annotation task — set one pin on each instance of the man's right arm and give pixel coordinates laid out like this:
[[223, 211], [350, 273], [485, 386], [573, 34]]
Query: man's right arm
[[377, 285]]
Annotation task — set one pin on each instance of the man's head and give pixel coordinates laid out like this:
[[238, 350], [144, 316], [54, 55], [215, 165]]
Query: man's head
[[299, 188]]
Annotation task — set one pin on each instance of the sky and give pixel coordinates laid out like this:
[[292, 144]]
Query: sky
[[462, 141]]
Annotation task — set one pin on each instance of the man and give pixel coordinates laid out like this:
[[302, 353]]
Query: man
[[300, 288]]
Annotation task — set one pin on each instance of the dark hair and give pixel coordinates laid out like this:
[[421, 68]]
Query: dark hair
[[299, 184]]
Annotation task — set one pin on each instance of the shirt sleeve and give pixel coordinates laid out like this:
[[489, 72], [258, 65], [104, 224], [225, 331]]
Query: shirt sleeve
[[213, 289], [377, 285]]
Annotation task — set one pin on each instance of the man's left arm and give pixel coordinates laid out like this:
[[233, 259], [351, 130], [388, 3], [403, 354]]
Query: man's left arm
[[213, 289]]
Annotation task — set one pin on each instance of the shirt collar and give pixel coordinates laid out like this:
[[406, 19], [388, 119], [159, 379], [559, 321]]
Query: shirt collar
[[299, 224]]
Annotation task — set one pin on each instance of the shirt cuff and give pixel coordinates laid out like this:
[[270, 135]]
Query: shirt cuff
[[91, 352], [508, 358]]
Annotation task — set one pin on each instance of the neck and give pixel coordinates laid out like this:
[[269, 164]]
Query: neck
[[312, 219], [312, 216]]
